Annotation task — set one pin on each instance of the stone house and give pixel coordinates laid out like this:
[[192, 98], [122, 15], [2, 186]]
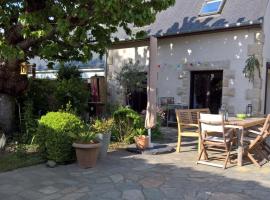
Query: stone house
[[203, 46]]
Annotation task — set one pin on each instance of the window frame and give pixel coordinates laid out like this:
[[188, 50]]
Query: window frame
[[215, 12]]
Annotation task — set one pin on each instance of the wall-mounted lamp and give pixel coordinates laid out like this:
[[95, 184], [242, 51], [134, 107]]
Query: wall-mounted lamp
[[24, 68]]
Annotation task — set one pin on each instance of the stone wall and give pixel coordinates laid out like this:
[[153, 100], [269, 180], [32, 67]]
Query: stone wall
[[254, 94], [228, 76]]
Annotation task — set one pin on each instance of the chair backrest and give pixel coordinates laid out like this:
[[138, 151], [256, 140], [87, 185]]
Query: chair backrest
[[211, 123], [266, 126], [189, 116], [265, 133]]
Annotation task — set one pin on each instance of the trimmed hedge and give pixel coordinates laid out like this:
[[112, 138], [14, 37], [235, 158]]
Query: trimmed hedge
[[54, 135]]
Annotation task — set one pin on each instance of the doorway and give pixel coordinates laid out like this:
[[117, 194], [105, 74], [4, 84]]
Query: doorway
[[137, 99], [267, 94], [206, 90]]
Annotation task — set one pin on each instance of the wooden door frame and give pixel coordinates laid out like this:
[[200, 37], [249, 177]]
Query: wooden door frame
[[266, 84], [191, 90]]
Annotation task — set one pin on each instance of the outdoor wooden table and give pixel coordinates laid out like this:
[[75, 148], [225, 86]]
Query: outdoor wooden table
[[241, 125]]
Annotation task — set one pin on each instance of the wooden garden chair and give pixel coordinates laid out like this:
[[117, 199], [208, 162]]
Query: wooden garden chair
[[188, 126], [257, 147], [215, 137]]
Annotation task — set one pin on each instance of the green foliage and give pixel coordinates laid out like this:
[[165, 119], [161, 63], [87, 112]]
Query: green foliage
[[111, 108], [54, 135], [20, 150], [140, 131], [132, 77], [40, 95], [252, 63], [126, 121], [29, 124], [13, 161], [84, 137], [103, 126], [74, 92], [59, 30], [68, 72]]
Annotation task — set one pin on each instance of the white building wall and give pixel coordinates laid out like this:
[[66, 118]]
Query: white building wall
[[174, 53], [116, 59], [225, 46], [86, 73]]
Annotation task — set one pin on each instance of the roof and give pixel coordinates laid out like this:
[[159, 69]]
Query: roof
[[184, 17]]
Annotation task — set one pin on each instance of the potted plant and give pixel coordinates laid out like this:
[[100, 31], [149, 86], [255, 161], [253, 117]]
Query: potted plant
[[87, 148], [141, 140], [252, 63], [103, 130]]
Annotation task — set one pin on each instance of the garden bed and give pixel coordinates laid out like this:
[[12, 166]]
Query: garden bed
[[10, 161]]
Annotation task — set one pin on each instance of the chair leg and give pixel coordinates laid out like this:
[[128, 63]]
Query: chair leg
[[203, 153], [227, 157], [179, 143], [199, 145], [253, 159], [262, 153], [200, 155]]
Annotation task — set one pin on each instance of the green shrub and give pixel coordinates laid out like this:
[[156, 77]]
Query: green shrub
[[126, 121], [29, 124], [73, 92], [40, 93], [68, 72], [54, 135]]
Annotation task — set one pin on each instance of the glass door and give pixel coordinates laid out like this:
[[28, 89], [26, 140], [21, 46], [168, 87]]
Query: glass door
[[206, 90]]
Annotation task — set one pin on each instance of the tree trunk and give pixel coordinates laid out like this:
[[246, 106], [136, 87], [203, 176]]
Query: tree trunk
[[7, 113], [12, 85]]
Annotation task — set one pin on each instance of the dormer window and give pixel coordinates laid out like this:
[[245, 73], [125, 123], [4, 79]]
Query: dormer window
[[211, 7]]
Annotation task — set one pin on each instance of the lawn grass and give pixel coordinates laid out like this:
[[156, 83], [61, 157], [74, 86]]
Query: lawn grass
[[11, 161]]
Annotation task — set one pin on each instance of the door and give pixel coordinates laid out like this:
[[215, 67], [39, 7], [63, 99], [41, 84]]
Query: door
[[137, 100], [206, 90]]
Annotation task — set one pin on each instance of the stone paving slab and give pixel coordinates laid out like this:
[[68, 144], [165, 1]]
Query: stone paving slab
[[123, 175]]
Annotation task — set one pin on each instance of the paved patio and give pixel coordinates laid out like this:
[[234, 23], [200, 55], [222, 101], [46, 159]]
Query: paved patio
[[127, 176]]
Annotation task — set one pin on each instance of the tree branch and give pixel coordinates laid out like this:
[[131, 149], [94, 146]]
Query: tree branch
[[24, 45]]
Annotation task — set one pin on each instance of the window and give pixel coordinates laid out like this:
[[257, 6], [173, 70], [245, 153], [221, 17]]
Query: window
[[211, 7]]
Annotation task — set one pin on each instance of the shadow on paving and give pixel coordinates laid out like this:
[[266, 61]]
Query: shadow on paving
[[127, 176]]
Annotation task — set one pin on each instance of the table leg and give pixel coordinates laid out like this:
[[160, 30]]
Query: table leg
[[240, 147]]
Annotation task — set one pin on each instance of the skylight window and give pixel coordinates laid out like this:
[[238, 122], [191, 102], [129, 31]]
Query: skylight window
[[211, 7]]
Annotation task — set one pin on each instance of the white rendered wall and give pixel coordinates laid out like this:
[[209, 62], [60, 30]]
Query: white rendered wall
[[116, 58], [174, 52], [222, 46]]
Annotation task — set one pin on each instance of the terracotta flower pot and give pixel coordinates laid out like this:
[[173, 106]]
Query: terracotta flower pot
[[86, 154], [142, 142]]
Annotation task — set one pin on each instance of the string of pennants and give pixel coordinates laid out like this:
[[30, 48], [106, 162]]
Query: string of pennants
[[178, 66]]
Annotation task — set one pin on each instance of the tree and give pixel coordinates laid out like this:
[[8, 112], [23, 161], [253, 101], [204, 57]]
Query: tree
[[61, 30]]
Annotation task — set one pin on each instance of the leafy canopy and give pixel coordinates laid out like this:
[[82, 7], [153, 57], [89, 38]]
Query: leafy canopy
[[62, 30]]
